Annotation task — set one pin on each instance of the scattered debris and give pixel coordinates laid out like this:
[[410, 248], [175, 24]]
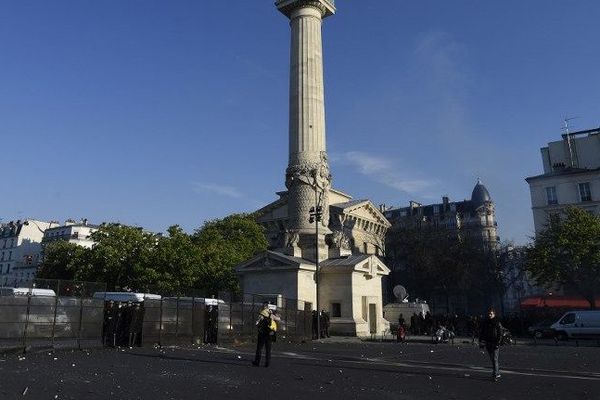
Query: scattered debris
[[25, 391]]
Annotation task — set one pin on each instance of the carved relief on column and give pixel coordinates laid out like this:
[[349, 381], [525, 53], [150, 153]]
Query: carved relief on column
[[301, 179]]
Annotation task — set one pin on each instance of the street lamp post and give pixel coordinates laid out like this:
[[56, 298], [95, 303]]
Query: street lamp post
[[316, 214]]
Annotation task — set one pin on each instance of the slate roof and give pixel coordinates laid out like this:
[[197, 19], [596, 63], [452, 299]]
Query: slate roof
[[344, 261]]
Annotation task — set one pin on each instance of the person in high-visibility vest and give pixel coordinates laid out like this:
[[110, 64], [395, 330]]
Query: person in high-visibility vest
[[263, 326]]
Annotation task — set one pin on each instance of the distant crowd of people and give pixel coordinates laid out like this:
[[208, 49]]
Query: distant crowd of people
[[469, 325]]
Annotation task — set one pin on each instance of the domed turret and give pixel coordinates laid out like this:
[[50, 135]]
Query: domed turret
[[480, 195]]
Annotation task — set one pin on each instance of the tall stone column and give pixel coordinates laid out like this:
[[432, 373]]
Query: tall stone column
[[307, 175]]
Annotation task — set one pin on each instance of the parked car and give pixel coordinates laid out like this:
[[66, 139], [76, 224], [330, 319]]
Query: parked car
[[542, 329]]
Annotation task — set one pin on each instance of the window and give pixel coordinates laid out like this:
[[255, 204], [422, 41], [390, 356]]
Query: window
[[336, 310], [551, 195], [7, 268], [568, 319], [584, 191], [436, 209]]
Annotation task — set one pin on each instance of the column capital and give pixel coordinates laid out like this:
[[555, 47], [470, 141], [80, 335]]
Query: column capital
[[326, 7]]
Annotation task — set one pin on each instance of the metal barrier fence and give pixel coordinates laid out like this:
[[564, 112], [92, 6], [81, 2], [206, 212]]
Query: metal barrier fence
[[53, 313], [229, 319], [238, 315]]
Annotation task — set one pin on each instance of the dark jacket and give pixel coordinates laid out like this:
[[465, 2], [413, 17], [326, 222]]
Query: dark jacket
[[491, 332]]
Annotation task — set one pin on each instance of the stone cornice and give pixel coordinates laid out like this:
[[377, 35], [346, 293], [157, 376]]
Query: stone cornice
[[325, 7]]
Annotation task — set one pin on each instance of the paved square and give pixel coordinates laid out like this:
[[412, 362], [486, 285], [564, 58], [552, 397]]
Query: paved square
[[329, 370]]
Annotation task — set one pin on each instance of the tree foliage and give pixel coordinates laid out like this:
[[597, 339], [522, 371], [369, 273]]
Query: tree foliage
[[567, 252], [225, 243], [62, 260], [435, 263], [120, 257], [127, 257]]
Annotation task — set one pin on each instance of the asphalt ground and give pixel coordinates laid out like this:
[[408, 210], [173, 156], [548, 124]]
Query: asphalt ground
[[332, 369]]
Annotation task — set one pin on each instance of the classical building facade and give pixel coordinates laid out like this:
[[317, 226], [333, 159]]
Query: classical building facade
[[312, 225], [571, 177], [474, 218], [20, 250]]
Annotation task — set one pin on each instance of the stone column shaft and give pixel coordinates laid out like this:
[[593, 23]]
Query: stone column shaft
[[307, 104], [307, 175]]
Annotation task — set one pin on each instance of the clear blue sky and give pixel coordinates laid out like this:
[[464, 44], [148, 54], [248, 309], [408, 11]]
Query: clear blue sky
[[164, 112]]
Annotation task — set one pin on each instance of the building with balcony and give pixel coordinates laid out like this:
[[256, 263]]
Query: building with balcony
[[571, 177], [78, 233], [20, 250]]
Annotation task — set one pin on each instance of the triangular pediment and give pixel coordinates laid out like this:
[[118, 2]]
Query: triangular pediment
[[276, 210], [363, 209]]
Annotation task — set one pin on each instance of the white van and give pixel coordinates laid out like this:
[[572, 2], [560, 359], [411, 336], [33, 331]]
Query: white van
[[10, 291], [578, 325]]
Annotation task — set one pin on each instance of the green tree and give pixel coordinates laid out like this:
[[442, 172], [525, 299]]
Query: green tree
[[225, 243], [435, 262], [176, 263], [567, 252], [121, 257], [62, 260]]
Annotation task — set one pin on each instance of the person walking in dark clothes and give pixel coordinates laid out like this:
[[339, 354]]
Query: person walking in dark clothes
[[324, 324], [314, 324], [490, 335], [263, 326]]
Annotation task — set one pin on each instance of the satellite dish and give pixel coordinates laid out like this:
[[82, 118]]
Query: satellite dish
[[400, 292]]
